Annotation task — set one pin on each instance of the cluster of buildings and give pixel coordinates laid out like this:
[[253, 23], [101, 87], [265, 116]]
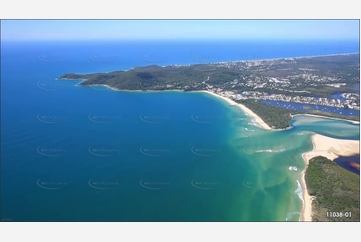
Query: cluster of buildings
[[350, 103], [280, 76]]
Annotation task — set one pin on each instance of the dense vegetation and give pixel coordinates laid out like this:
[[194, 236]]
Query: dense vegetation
[[279, 118], [335, 188], [313, 75], [275, 117], [333, 115], [186, 78]]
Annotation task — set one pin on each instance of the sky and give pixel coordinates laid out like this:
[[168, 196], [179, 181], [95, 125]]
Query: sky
[[179, 29]]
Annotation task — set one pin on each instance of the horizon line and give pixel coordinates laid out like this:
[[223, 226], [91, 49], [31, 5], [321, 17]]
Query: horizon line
[[223, 62], [182, 39]]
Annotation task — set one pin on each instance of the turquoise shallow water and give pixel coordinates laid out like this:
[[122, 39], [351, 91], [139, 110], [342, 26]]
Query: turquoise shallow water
[[151, 157], [73, 153]]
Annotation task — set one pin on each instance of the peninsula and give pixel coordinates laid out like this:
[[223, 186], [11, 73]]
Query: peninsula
[[306, 80], [325, 150]]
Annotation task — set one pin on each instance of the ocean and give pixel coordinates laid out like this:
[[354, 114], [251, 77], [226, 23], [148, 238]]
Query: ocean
[[71, 153]]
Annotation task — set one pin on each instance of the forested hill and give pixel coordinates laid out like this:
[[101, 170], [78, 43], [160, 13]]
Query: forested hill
[[294, 77], [337, 191]]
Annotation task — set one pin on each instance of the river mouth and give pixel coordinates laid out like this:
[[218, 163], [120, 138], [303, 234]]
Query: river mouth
[[350, 163]]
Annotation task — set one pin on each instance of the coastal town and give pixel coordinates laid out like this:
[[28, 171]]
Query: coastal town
[[328, 80], [323, 80], [348, 103], [285, 80]]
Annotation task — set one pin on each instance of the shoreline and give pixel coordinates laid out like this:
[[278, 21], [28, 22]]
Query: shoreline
[[120, 90], [248, 111], [259, 122], [269, 59], [287, 58], [330, 148]]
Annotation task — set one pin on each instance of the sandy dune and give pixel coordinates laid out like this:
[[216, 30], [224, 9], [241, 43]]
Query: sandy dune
[[330, 148]]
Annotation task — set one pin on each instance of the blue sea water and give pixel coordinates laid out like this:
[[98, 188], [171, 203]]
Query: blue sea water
[[72, 153]]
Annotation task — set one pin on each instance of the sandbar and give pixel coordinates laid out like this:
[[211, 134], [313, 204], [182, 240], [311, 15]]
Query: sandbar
[[248, 111], [330, 148]]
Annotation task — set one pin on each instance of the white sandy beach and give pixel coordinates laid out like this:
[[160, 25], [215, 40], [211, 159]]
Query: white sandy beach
[[102, 85], [248, 111], [330, 148], [322, 145]]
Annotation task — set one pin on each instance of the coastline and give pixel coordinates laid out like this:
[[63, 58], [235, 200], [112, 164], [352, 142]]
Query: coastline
[[230, 61], [322, 145], [124, 90], [259, 122], [248, 111], [288, 58], [330, 148]]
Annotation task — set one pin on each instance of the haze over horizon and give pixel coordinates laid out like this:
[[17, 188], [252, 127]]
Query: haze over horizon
[[180, 29]]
